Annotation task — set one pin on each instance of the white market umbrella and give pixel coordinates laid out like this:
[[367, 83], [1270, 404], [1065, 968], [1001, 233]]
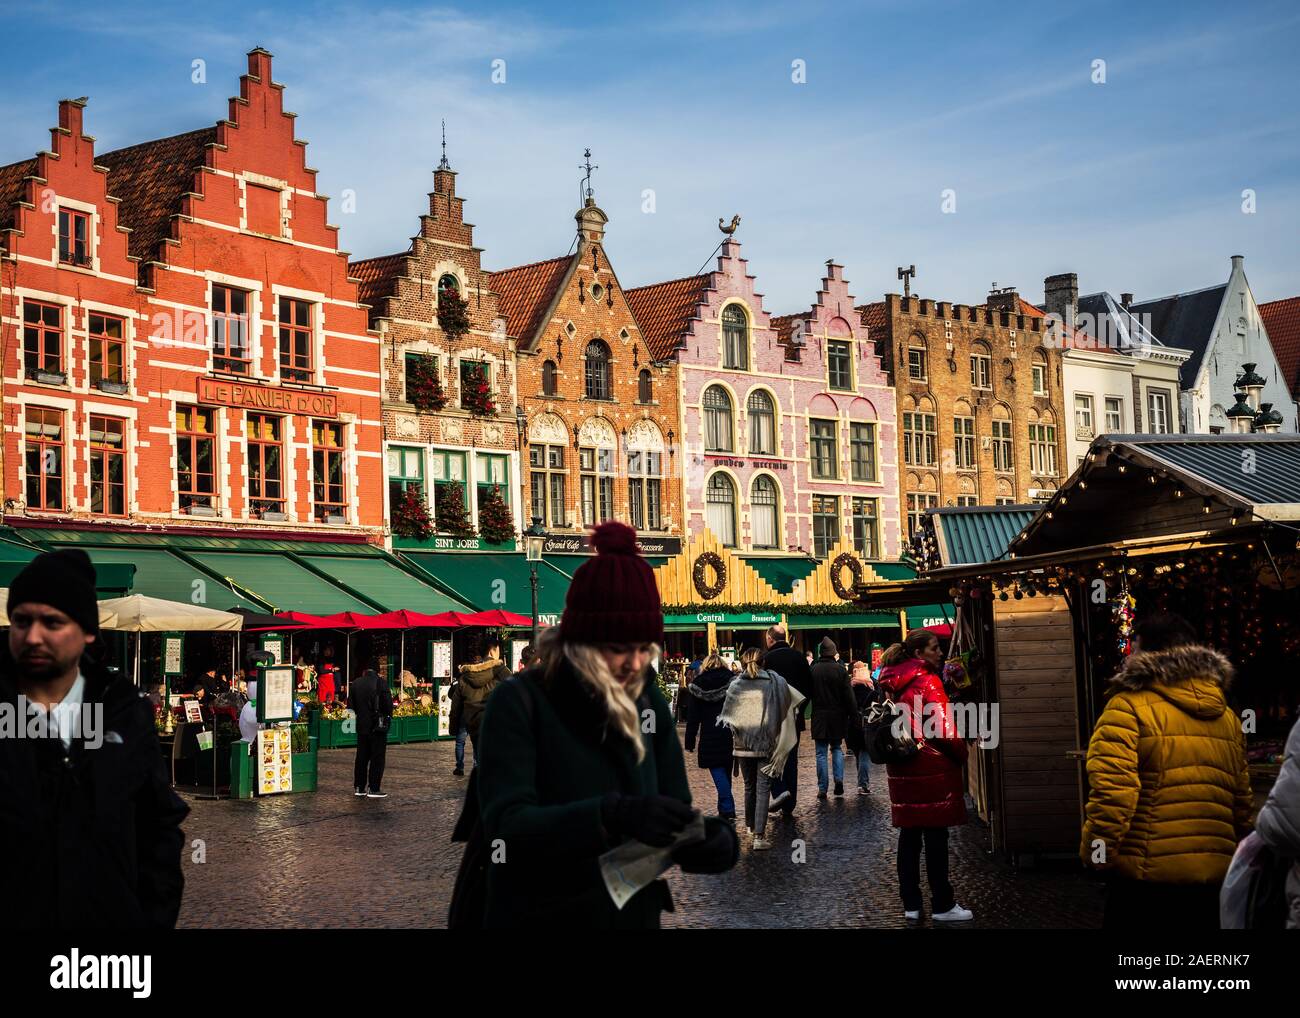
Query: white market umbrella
[[107, 617], [138, 613]]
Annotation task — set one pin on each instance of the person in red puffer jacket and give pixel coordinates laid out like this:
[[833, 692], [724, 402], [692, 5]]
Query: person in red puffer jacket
[[926, 793]]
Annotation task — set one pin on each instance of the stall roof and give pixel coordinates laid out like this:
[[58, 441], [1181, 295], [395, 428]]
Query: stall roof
[[481, 578], [1133, 487], [968, 534]]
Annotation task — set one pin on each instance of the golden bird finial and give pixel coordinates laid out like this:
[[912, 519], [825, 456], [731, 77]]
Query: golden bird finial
[[729, 230]]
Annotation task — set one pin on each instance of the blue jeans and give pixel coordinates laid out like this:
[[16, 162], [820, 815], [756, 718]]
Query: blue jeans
[[461, 736], [864, 768], [836, 750], [722, 779]]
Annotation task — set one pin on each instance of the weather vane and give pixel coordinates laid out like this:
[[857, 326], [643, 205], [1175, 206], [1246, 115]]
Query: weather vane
[[588, 167], [729, 230]]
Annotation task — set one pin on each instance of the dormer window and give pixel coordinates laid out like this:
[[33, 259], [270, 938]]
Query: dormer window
[[74, 237]]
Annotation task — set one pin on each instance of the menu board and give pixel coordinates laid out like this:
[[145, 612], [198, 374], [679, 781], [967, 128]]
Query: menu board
[[274, 646], [441, 659], [516, 648], [274, 761], [275, 702], [444, 709], [173, 647], [193, 712]]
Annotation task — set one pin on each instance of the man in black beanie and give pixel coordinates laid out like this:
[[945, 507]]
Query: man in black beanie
[[87, 814]]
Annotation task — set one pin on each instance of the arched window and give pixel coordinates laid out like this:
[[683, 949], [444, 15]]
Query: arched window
[[1038, 371], [448, 283], [735, 338], [762, 424], [763, 512], [717, 420], [550, 379], [720, 514], [645, 390], [600, 384]]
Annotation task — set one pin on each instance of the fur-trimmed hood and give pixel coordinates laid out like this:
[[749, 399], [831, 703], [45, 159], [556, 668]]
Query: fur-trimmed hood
[[1193, 677]]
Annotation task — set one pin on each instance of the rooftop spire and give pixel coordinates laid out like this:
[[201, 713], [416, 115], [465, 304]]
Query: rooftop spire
[[587, 180], [444, 165]]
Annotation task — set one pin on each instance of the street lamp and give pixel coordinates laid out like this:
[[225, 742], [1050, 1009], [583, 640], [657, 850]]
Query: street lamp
[[534, 539]]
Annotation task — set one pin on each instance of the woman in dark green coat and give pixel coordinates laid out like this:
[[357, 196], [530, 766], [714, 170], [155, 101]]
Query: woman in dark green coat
[[586, 756]]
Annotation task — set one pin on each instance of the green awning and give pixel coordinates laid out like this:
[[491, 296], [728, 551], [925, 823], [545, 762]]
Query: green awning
[[378, 579], [855, 620], [159, 573], [108, 578], [781, 572], [486, 580], [280, 581]]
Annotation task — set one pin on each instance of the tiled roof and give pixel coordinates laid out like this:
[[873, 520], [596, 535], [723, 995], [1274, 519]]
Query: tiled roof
[[1282, 323], [149, 181], [873, 315], [1032, 310], [378, 278], [662, 311], [1185, 320], [11, 189], [783, 325], [526, 292]]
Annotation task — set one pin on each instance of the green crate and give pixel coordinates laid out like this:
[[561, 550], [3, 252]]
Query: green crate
[[419, 728]]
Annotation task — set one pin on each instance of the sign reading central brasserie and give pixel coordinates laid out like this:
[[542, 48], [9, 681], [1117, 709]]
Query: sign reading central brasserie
[[265, 397]]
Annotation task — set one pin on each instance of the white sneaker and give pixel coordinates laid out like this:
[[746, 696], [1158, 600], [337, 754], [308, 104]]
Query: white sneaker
[[761, 844], [956, 914], [912, 915]]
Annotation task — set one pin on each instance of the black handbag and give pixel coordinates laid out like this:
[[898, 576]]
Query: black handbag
[[888, 733], [381, 720]]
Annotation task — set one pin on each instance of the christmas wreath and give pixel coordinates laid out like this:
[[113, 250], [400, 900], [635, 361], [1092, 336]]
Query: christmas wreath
[[453, 314], [423, 386], [477, 394], [707, 590], [837, 583]]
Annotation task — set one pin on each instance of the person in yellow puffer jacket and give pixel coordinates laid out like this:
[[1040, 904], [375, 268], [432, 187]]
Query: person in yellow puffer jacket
[[1170, 791]]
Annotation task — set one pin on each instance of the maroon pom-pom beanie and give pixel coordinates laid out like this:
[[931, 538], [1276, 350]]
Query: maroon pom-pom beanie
[[613, 597]]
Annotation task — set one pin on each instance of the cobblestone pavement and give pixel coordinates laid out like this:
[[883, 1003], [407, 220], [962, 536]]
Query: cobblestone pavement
[[331, 860]]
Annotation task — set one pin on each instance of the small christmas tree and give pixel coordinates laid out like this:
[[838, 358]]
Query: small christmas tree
[[477, 397], [411, 516], [452, 517], [495, 523], [423, 386], [453, 314]]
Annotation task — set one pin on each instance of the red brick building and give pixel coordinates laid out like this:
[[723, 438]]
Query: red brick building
[[601, 413], [182, 343], [459, 452]]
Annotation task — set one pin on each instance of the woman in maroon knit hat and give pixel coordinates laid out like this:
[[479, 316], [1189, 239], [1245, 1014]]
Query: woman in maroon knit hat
[[586, 756]]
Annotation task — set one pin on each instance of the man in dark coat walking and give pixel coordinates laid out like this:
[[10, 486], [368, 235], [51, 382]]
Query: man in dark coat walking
[[832, 707], [89, 825], [370, 700], [793, 667]]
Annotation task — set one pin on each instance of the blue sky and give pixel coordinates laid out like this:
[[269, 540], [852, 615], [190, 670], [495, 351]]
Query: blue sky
[[1136, 184]]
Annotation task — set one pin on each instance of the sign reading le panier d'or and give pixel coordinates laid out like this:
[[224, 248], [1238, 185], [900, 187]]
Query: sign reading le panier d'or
[[266, 397]]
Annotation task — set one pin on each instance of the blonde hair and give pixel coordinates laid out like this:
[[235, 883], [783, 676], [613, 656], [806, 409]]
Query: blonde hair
[[618, 700], [749, 661], [714, 660]]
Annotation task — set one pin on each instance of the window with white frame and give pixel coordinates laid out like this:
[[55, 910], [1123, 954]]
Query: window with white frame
[[1114, 414], [717, 420], [735, 338], [826, 524], [762, 424], [546, 478], [1083, 415], [917, 504], [865, 518], [1158, 412], [720, 509], [1003, 448], [596, 470], [964, 442], [763, 513], [645, 488], [1042, 449]]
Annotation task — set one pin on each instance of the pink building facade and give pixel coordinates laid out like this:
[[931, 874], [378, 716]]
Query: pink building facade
[[788, 440]]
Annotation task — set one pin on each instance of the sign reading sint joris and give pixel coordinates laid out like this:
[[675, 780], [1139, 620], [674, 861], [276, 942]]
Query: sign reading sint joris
[[265, 397]]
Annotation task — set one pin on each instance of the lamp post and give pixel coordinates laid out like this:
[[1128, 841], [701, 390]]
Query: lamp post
[[534, 539]]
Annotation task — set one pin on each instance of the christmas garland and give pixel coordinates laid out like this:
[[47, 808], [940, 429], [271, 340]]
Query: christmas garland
[[759, 609], [453, 314], [709, 591], [423, 386], [854, 566], [477, 394]]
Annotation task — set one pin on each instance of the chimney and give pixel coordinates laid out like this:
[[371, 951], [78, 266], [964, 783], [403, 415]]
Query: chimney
[[1003, 299], [1125, 299], [591, 222], [1237, 262], [70, 115], [1061, 296]]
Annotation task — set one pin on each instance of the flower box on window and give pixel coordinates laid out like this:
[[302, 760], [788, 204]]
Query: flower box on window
[[107, 385], [51, 378], [275, 517], [200, 510]]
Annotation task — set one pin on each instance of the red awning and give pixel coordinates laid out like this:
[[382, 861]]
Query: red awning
[[404, 619], [496, 617]]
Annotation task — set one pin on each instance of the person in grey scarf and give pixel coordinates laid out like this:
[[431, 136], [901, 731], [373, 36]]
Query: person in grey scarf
[[759, 710]]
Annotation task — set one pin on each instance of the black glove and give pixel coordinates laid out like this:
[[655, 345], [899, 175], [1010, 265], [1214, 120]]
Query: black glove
[[653, 819], [717, 853]]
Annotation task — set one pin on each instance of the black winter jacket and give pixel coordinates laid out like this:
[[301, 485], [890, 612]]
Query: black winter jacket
[[702, 718], [90, 836], [832, 700], [792, 666], [364, 696]]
